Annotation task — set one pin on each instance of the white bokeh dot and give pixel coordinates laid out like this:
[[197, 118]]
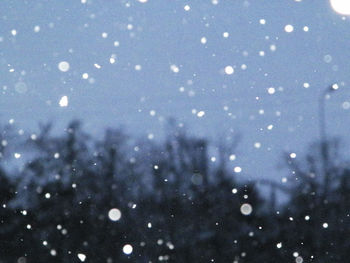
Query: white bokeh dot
[[237, 169], [63, 66], [127, 249], [63, 101], [246, 209], [289, 28], [81, 257], [229, 70], [114, 214]]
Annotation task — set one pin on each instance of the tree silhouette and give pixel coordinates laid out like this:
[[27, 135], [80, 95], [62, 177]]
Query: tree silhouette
[[175, 203]]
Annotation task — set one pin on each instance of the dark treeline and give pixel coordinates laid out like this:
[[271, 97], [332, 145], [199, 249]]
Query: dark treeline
[[176, 203]]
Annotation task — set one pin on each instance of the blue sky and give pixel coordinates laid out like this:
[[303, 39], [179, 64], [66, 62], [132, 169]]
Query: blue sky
[[159, 36]]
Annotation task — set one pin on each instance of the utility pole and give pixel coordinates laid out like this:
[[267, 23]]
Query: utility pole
[[323, 136]]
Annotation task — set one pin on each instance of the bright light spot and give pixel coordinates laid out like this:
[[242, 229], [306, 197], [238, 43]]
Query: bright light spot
[[63, 66], [200, 114], [293, 155], [53, 252], [63, 101], [288, 28], [234, 190], [341, 6], [244, 67], [273, 48], [295, 254], [104, 35], [246, 209], [237, 169], [271, 90], [97, 66], [325, 225], [261, 53], [335, 86], [82, 257], [36, 29], [270, 127], [306, 85], [114, 214], [112, 60], [143, 1], [257, 145], [138, 67], [299, 260], [85, 76], [225, 34], [127, 249], [174, 68], [306, 28], [13, 32], [17, 155], [279, 245], [229, 70], [47, 195], [262, 21], [307, 218], [232, 157], [203, 40], [187, 8]]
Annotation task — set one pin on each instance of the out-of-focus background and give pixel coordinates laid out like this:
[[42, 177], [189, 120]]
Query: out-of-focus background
[[137, 63], [176, 131]]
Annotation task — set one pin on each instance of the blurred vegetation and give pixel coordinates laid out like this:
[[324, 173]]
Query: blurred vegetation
[[177, 205]]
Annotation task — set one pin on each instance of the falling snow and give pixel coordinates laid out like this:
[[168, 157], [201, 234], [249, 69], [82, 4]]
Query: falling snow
[[114, 214], [63, 101], [187, 131], [63, 66], [127, 249]]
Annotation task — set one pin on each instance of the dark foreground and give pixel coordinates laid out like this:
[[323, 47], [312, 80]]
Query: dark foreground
[[176, 203]]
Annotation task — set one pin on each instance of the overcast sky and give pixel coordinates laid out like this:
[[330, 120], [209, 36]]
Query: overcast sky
[[136, 64]]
